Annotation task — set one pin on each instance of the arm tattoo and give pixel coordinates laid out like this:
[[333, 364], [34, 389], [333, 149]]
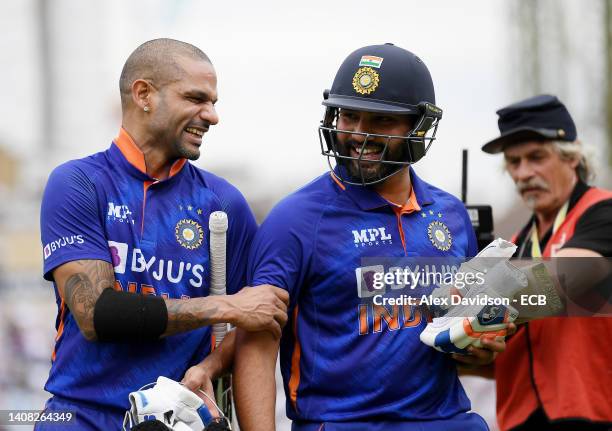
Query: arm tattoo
[[187, 314], [82, 290]]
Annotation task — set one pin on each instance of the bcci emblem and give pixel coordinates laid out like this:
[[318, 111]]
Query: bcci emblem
[[365, 80], [439, 235], [189, 234]]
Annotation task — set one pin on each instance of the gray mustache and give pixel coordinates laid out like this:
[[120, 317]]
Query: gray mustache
[[535, 183]]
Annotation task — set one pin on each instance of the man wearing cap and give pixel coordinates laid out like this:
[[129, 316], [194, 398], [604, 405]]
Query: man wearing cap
[[347, 362], [555, 373]]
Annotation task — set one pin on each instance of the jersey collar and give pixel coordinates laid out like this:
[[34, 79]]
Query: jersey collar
[[367, 199], [132, 154]]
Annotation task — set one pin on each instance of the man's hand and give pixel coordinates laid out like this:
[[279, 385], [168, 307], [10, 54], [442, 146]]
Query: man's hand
[[216, 364], [197, 378], [485, 355], [263, 308]]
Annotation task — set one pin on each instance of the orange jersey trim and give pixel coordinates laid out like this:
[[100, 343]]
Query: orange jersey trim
[[400, 228], [145, 187], [337, 181], [130, 150], [412, 204], [60, 328], [176, 167], [409, 207], [136, 157], [294, 381]]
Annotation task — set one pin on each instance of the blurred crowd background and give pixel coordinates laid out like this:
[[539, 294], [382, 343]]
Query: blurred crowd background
[[61, 61]]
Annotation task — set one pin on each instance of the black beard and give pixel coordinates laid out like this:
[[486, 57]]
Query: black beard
[[371, 170], [185, 153]]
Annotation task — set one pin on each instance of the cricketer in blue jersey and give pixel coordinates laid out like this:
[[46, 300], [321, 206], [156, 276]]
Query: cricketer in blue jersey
[[349, 364], [126, 242]]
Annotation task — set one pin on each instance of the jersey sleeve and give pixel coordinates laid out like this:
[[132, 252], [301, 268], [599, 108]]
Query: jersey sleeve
[[70, 222], [282, 250], [240, 233], [594, 230]]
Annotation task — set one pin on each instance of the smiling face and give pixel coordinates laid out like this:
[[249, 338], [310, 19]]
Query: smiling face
[[183, 110], [543, 179], [351, 135]]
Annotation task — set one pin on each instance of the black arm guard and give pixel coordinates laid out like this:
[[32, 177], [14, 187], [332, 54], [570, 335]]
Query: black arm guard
[[150, 425], [128, 317]]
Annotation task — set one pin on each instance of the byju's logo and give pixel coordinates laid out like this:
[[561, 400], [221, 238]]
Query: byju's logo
[[119, 213], [365, 281], [370, 237], [159, 269], [61, 242]]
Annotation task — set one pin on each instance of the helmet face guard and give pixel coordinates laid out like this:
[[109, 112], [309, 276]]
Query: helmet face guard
[[413, 146]]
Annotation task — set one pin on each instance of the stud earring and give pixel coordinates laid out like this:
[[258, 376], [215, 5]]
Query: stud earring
[[146, 109]]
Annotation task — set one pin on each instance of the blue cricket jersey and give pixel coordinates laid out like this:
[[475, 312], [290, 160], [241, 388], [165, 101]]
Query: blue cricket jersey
[[344, 360], [155, 234]]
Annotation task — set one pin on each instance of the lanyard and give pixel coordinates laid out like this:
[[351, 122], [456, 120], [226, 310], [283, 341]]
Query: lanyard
[[535, 241]]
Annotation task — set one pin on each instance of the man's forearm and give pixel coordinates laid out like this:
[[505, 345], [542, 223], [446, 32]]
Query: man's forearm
[[187, 314], [254, 380], [221, 359]]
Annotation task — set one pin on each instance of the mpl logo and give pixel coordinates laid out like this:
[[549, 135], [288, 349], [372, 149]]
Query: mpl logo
[[119, 213], [370, 237]]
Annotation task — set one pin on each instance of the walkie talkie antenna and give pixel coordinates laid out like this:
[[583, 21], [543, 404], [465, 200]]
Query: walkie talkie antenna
[[464, 176]]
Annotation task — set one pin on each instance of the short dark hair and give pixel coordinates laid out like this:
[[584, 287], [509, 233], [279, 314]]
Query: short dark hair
[[156, 60]]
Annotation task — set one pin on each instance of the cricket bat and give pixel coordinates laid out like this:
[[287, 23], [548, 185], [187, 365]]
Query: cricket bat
[[218, 224]]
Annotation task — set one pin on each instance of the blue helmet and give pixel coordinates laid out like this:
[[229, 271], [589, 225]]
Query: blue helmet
[[380, 79]]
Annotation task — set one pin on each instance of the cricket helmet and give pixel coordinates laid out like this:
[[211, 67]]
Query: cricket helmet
[[382, 79]]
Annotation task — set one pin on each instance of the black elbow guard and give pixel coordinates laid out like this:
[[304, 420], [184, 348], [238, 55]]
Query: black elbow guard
[[124, 316]]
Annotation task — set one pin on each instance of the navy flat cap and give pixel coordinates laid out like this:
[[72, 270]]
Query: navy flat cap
[[540, 118]]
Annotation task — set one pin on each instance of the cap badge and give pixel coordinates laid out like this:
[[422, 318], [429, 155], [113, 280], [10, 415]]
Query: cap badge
[[365, 80]]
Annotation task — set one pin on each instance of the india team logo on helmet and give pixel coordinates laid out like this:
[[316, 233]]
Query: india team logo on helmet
[[365, 80], [189, 234], [439, 235]]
